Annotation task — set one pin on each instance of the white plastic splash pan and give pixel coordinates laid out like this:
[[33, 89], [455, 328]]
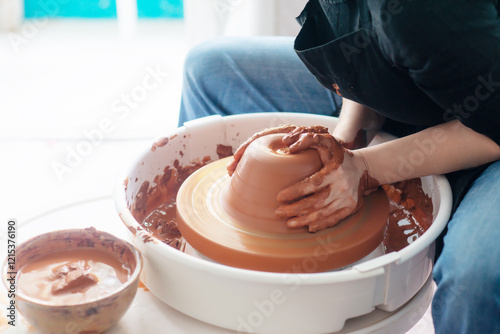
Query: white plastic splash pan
[[262, 302]]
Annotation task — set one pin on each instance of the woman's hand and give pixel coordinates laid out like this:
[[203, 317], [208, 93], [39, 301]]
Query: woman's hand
[[280, 129], [330, 195]]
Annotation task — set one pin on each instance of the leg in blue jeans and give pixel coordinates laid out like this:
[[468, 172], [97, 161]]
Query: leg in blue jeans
[[230, 76], [467, 272]]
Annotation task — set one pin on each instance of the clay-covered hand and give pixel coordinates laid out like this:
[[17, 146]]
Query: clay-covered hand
[[330, 195], [287, 128]]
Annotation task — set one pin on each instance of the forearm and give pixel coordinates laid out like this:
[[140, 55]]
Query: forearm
[[437, 150], [357, 124]]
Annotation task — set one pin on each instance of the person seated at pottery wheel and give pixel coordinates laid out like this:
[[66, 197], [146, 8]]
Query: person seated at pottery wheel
[[425, 71]]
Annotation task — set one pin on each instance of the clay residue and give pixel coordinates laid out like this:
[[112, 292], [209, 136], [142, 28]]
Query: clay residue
[[154, 205], [410, 214], [160, 143], [278, 147], [224, 151], [142, 286], [141, 198], [132, 229], [125, 184], [158, 197], [336, 88], [359, 141], [162, 224], [73, 277], [163, 188]]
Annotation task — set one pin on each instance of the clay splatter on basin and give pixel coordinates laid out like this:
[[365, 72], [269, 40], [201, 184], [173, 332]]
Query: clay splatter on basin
[[155, 203], [410, 214]]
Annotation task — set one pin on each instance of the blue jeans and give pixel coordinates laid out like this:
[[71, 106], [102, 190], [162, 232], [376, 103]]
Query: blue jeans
[[467, 272], [232, 76]]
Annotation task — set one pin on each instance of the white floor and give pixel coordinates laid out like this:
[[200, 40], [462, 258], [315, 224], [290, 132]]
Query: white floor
[[78, 103]]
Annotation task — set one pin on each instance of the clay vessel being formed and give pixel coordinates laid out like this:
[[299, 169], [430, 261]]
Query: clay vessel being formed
[[232, 221], [266, 168]]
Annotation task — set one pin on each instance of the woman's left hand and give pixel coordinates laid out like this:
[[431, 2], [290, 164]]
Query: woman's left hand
[[330, 195]]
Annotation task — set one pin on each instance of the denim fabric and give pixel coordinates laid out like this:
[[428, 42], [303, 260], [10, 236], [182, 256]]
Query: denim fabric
[[241, 75], [467, 272], [230, 76]]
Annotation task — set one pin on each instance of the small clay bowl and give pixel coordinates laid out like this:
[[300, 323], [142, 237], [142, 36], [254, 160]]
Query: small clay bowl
[[92, 316]]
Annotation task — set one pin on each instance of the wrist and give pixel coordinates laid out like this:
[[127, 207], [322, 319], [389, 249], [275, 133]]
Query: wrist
[[367, 181]]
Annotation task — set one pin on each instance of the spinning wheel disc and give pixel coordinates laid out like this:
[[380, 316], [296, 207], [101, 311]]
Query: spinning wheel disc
[[218, 235]]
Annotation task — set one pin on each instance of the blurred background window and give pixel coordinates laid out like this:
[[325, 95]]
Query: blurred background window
[[100, 8]]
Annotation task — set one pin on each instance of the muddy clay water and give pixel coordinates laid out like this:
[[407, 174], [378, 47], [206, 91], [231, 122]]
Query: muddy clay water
[[73, 276]]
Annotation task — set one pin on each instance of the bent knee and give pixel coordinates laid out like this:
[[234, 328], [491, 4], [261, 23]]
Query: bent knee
[[213, 57], [202, 59]]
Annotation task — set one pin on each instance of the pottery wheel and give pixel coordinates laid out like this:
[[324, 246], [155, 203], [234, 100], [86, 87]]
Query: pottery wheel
[[221, 235]]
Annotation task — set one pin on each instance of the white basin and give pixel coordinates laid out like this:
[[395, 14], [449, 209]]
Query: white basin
[[263, 302]]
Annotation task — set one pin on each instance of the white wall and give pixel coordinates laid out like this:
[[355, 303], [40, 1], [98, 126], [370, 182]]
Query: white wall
[[206, 19], [11, 14]]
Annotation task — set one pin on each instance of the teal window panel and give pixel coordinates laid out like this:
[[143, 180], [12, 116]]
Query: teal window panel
[[70, 8], [100, 8], [160, 8]]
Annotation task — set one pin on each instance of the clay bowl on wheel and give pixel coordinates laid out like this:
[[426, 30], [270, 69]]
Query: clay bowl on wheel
[[233, 298]]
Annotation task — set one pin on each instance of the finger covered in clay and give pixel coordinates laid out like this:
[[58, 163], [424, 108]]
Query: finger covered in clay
[[285, 128]]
